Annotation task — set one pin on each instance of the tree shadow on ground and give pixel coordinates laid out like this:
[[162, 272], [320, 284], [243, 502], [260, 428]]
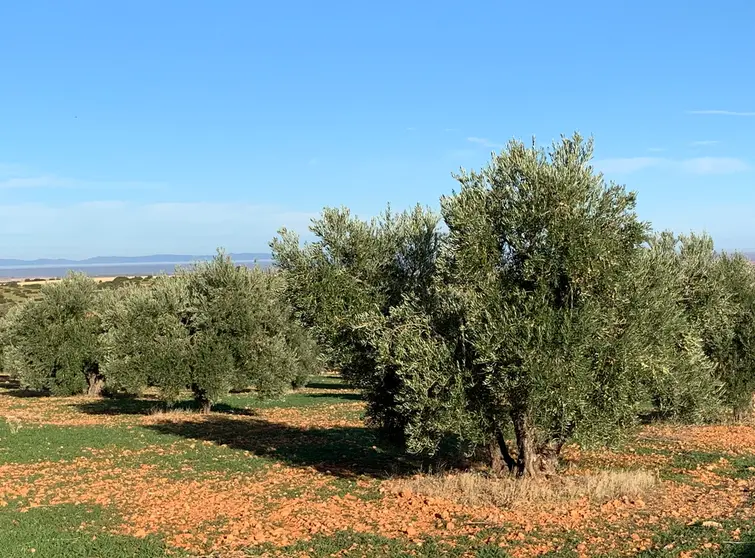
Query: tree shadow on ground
[[328, 385], [143, 406], [26, 393], [6, 382], [344, 396], [345, 452], [13, 388]]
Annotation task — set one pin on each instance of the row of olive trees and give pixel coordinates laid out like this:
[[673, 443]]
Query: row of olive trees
[[211, 328], [541, 308]]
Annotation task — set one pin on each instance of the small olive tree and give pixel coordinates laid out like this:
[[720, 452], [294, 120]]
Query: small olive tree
[[680, 378], [210, 328], [356, 268], [717, 296], [235, 322], [720, 300], [53, 343], [145, 341]]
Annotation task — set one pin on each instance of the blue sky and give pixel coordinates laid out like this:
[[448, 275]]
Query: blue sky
[[144, 127]]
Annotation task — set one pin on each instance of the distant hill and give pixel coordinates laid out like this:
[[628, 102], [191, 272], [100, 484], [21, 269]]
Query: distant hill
[[115, 260]]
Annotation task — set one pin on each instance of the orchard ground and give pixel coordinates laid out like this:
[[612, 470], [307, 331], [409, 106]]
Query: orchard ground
[[302, 476]]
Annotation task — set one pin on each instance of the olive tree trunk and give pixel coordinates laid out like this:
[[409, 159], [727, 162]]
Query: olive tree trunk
[[527, 459], [95, 384]]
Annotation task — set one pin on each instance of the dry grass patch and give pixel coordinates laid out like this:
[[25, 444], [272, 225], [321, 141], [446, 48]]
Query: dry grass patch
[[477, 489]]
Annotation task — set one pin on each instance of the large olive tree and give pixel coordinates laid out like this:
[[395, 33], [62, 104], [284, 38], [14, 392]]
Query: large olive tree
[[547, 311], [539, 255]]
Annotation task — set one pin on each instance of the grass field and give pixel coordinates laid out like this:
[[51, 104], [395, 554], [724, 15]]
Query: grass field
[[301, 476]]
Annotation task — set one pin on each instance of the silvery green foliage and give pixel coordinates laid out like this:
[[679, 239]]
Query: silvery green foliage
[[736, 359], [145, 339], [354, 272], [720, 300], [241, 331], [716, 295], [540, 252], [679, 375], [210, 328], [305, 351], [53, 343]]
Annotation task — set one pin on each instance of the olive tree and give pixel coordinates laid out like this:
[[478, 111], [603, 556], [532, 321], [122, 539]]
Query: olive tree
[[542, 318], [210, 328], [234, 322], [717, 295], [737, 358], [357, 267], [720, 299], [547, 311], [681, 379], [145, 340], [539, 252], [53, 343]]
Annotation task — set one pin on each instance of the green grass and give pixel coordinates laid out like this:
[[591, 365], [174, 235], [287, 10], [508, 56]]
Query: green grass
[[244, 401], [55, 443], [57, 532], [221, 444], [684, 538], [743, 467], [175, 455], [349, 544]]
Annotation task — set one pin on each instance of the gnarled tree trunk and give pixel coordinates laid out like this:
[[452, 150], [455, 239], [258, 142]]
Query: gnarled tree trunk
[[200, 396], [95, 384], [527, 460]]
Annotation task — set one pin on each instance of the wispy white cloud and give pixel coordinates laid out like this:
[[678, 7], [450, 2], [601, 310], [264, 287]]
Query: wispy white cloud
[[695, 165], [723, 112], [704, 143], [713, 165], [656, 149], [314, 161], [450, 129], [17, 177], [44, 181], [94, 228], [484, 142]]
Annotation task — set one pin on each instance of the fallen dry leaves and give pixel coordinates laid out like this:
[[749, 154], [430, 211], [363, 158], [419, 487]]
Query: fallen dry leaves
[[284, 503]]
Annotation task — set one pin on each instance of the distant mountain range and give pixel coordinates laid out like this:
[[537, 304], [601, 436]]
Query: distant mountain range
[[154, 259], [119, 260]]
